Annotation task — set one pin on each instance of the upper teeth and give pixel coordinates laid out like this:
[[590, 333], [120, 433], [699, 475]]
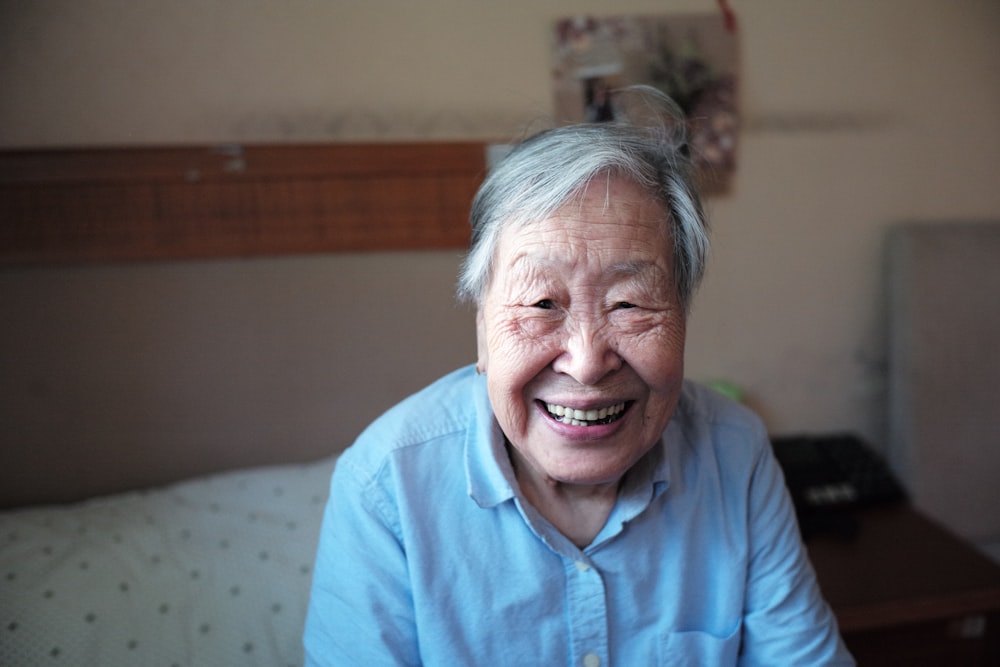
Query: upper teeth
[[580, 417]]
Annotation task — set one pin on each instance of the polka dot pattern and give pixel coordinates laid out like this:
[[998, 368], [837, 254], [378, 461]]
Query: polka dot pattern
[[210, 571]]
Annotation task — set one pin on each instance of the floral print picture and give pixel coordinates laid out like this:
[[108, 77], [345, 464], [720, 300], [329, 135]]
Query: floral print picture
[[692, 58]]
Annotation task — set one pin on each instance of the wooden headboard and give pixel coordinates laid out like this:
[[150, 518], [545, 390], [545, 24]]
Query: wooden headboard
[[104, 204], [175, 311]]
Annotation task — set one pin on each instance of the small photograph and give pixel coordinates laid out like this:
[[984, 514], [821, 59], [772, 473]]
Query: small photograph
[[691, 57]]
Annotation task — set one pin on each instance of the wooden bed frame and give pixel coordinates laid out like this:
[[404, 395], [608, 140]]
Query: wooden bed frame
[[109, 204]]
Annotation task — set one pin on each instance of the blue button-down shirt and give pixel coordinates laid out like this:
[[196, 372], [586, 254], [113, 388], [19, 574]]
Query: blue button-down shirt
[[429, 555]]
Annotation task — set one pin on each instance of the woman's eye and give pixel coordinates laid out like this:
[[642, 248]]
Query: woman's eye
[[625, 304], [545, 304]]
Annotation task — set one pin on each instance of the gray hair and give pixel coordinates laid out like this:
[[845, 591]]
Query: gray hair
[[645, 143]]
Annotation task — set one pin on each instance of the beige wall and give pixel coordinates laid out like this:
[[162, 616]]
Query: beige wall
[[858, 114]]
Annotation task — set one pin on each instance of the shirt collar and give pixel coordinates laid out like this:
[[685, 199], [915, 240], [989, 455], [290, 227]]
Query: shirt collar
[[644, 482], [487, 466]]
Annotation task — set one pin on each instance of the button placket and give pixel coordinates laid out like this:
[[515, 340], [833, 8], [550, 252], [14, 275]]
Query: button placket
[[588, 614]]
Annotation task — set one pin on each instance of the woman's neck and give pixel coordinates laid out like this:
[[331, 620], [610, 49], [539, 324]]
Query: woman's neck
[[578, 511]]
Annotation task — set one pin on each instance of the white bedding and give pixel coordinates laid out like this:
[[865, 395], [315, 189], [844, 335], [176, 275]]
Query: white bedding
[[211, 571]]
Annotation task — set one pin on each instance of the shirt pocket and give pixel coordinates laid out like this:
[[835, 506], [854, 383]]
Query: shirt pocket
[[700, 649]]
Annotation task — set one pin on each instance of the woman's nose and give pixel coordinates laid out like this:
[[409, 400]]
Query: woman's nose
[[587, 356]]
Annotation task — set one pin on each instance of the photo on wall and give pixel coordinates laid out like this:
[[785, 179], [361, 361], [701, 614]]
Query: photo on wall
[[691, 57]]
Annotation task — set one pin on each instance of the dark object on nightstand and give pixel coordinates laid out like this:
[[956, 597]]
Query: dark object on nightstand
[[830, 477]]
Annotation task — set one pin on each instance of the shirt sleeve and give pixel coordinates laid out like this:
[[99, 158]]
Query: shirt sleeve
[[360, 609], [786, 619]]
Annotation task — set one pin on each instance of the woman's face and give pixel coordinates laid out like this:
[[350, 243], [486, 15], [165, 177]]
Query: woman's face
[[581, 335]]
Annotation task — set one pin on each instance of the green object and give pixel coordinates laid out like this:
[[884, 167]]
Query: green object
[[727, 388]]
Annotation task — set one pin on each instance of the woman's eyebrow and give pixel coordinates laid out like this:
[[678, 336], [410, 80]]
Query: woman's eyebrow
[[639, 268], [531, 267]]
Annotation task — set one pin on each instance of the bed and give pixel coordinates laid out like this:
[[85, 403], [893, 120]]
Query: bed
[[208, 571], [171, 404]]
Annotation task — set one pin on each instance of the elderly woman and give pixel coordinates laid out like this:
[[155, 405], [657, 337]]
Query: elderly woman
[[572, 500]]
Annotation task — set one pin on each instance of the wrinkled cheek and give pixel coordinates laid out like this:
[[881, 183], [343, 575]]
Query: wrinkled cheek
[[510, 409], [665, 382], [664, 369], [519, 360]]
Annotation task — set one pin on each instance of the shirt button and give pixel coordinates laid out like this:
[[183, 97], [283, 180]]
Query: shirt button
[[591, 660], [583, 567]]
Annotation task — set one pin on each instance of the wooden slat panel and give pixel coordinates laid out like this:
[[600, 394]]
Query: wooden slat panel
[[160, 203]]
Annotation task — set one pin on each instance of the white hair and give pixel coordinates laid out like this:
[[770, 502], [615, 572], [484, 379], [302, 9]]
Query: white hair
[[646, 143]]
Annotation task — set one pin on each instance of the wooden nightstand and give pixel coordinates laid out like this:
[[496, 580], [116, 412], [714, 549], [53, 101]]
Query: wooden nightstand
[[907, 592]]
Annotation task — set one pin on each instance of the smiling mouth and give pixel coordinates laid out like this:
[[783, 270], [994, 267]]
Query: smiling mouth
[[574, 417]]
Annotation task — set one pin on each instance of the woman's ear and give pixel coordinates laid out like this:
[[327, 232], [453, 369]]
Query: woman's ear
[[482, 353]]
